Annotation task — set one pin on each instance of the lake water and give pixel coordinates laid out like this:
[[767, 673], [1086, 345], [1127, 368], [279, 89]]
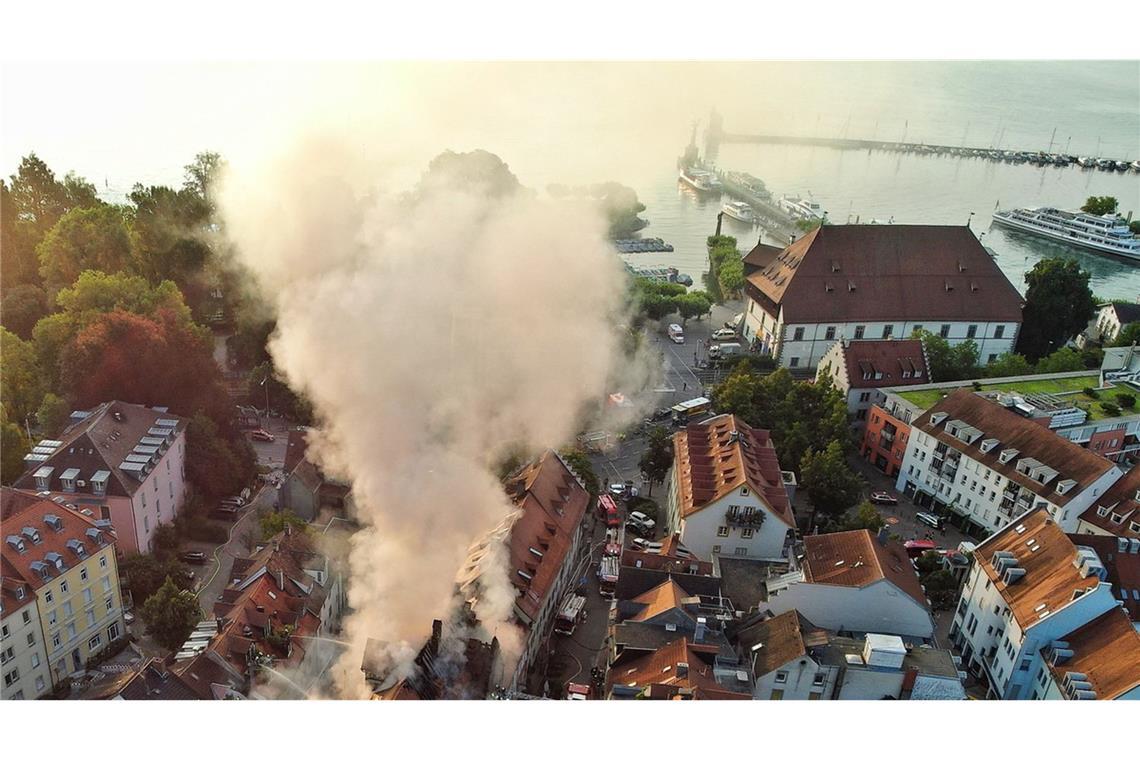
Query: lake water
[[910, 188]]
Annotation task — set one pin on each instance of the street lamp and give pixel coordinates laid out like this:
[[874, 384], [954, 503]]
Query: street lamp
[[265, 382]]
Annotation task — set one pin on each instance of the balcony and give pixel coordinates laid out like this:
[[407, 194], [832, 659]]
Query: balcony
[[744, 517], [886, 435]]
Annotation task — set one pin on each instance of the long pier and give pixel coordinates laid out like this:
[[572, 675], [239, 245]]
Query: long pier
[[715, 136]]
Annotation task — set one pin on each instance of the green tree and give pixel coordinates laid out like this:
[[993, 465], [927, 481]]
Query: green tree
[[941, 588], [959, 362], [1008, 365], [273, 523], [84, 238], [1100, 205], [202, 176], [1064, 359], [170, 614], [1058, 305], [738, 394], [79, 192], [695, 304], [216, 465], [53, 415], [478, 172], [1129, 334], [807, 225], [621, 207], [580, 463], [730, 276], [865, 517], [14, 445], [21, 383], [831, 485], [281, 396], [144, 574], [658, 457], [21, 307]]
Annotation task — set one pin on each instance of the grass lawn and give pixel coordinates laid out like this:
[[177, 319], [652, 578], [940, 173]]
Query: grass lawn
[[1069, 388]]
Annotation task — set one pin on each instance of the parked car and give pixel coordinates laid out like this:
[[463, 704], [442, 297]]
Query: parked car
[[617, 489], [927, 518], [883, 497], [233, 501], [225, 513], [194, 558], [261, 435], [645, 545], [735, 322], [663, 413], [724, 334]]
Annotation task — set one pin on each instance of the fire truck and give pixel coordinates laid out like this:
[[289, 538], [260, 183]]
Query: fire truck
[[572, 613], [607, 509], [608, 576]]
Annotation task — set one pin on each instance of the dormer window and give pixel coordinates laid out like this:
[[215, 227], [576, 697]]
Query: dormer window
[[31, 534], [43, 478], [1102, 511], [67, 479], [17, 543], [19, 592], [53, 522]]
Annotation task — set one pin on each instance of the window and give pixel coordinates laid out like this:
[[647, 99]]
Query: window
[[27, 617], [830, 334], [113, 631], [82, 573], [864, 397], [916, 329], [146, 521], [51, 618], [944, 331], [794, 361], [798, 334], [71, 632], [972, 331], [716, 548], [35, 660], [103, 562], [746, 533], [110, 603], [87, 596], [991, 359], [740, 551], [48, 598], [722, 531], [818, 679], [781, 676], [90, 618], [94, 642], [11, 677], [63, 587], [999, 331], [67, 612], [6, 655], [31, 639], [888, 330], [859, 330], [106, 583], [55, 643], [777, 694], [40, 686]]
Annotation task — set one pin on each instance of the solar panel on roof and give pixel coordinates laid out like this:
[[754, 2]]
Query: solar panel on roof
[[35, 457], [148, 450], [70, 474], [160, 432], [142, 458], [152, 441], [52, 442], [133, 466], [166, 423]]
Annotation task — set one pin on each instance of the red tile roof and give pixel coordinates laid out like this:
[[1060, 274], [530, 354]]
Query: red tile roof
[[76, 531], [892, 359], [1015, 432], [897, 272], [1122, 561], [1050, 575], [714, 458], [552, 503], [1121, 503], [856, 558], [1107, 651], [678, 665]]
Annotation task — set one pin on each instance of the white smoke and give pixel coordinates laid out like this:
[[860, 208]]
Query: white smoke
[[431, 333]]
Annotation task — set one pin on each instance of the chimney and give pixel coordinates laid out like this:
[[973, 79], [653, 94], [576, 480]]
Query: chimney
[[682, 670], [702, 629]]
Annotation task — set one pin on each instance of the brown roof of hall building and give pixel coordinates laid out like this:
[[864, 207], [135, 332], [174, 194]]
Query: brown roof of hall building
[[856, 558], [1107, 651], [714, 458], [1120, 506], [1050, 575], [1013, 431], [896, 362], [884, 272]]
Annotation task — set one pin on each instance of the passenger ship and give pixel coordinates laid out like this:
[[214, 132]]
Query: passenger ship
[[1106, 234], [699, 179], [740, 211]]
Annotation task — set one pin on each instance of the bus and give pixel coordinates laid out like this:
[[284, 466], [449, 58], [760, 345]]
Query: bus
[[608, 576], [572, 613], [688, 410], [607, 509]]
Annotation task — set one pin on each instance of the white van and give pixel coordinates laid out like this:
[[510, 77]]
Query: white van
[[676, 334]]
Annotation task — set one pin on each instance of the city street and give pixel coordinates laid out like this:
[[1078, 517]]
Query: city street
[[682, 381]]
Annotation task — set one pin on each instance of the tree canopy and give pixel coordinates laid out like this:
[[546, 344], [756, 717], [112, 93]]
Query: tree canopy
[[1100, 205], [170, 614], [658, 457], [1058, 305], [21, 382], [948, 362], [831, 485], [84, 238]]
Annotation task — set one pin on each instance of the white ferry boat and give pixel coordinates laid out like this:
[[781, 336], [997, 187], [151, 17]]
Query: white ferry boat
[[801, 208], [700, 180], [1106, 234], [740, 211]]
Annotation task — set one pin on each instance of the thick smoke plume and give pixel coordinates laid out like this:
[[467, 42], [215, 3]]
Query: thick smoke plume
[[432, 330]]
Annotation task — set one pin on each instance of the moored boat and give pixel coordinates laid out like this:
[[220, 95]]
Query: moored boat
[[1109, 233], [740, 211]]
